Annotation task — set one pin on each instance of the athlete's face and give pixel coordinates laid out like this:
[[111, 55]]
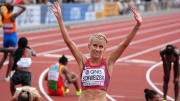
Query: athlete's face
[[97, 48]]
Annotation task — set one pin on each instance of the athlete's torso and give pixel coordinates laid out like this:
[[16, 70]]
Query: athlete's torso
[[25, 62], [8, 25], [95, 76]]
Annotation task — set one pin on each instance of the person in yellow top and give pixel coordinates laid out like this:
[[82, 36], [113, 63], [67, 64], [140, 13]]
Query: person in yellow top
[[10, 35]]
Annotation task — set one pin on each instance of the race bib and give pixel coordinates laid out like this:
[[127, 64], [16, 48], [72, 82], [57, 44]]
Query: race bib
[[53, 75], [93, 77], [24, 62]]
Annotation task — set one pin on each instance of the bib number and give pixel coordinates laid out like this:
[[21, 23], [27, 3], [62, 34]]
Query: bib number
[[53, 75], [93, 77]]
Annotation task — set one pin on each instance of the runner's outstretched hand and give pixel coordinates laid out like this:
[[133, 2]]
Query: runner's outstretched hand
[[137, 16], [55, 8]]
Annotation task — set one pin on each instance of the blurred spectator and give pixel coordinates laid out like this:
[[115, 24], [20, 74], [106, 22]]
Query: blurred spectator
[[147, 5], [138, 3], [123, 7], [24, 2], [42, 1], [165, 4], [68, 1]]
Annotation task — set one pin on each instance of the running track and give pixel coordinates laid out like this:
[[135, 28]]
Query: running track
[[139, 67]]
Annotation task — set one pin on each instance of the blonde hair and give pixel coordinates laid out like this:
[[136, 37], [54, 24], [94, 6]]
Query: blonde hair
[[28, 93], [99, 36]]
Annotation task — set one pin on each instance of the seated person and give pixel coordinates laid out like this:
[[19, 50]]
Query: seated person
[[59, 79]]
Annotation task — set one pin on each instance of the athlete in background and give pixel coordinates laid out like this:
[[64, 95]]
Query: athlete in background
[[170, 56], [10, 34]]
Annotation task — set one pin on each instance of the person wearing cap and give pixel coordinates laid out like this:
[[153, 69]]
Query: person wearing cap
[[170, 56]]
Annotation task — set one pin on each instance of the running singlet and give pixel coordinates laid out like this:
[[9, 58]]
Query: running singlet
[[55, 76], [8, 25], [24, 62], [95, 76], [55, 82]]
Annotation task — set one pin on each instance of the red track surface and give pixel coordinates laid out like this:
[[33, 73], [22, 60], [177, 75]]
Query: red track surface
[[129, 78]]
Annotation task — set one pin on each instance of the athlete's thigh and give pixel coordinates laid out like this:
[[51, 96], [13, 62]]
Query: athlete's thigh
[[167, 69], [5, 41], [13, 39], [176, 71]]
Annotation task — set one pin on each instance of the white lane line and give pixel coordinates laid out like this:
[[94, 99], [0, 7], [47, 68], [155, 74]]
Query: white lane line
[[116, 31], [41, 78], [141, 61], [110, 98], [145, 39], [131, 61], [151, 83], [122, 36], [58, 56], [147, 50]]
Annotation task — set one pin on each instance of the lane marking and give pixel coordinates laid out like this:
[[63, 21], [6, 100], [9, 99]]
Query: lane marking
[[121, 36], [147, 50], [41, 78], [115, 31], [131, 61], [140, 61], [58, 56]]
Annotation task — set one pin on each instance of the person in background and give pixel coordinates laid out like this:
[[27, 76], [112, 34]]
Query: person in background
[[10, 34], [25, 2], [96, 70], [170, 56], [59, 78], [151, 95], [21, 65], [26, 93]]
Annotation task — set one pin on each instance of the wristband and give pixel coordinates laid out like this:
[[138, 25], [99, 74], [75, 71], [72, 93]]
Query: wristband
[[136, 28]]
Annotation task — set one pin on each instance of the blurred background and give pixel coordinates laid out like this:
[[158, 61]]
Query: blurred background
[[39, 14]]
